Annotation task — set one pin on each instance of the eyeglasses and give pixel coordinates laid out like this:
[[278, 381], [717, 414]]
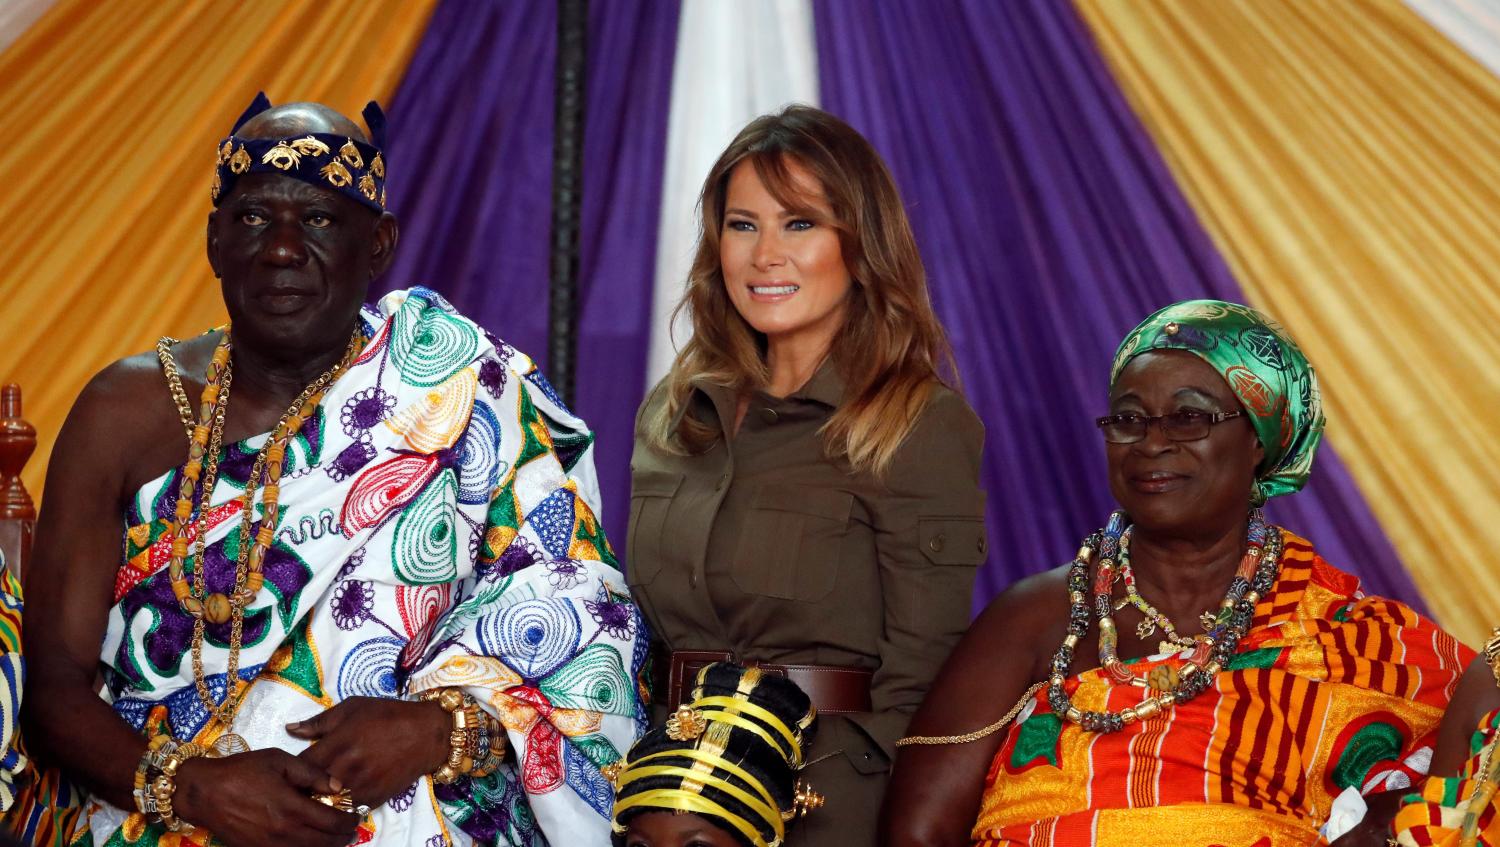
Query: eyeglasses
[[1184, 425]]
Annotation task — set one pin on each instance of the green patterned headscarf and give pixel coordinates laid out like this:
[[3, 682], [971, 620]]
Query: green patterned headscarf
[[1263, 366]]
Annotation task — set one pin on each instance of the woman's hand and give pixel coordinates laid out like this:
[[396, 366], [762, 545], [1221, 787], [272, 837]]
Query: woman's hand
[[261, 799], [377, 747]]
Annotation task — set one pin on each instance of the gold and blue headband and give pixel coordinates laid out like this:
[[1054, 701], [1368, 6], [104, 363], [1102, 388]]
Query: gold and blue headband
[[349, 166]]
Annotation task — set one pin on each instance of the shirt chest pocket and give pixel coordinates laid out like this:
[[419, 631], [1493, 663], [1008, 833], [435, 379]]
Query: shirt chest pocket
[[792, 542], [651, 494]]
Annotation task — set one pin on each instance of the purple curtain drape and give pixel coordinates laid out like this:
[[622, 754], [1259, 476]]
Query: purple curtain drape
[[1049, 226], [470, 180]]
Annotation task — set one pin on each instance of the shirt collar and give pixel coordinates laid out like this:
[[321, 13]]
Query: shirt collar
[[825, 387]]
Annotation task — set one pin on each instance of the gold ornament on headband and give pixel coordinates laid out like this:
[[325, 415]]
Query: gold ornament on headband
[[240, 161], [367, 188], [310, 146], [804, 800], [226, 151], [218, 185], [612, 772], [349, 153], [377, 167], [281, 156], [337, 175], [687, 724]]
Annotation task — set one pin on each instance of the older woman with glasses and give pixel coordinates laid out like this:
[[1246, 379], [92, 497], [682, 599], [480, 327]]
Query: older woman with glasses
[[1196, 676]]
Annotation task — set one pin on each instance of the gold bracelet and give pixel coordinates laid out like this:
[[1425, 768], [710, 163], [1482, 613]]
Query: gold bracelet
[[165, 786], [463, 741]]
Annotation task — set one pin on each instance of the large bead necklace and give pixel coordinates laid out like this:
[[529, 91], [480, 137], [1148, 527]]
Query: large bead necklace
[[1211, 651], [203, 463]]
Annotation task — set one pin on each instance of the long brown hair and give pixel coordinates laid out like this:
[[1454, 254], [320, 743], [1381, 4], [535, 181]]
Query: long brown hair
[[891, 345]]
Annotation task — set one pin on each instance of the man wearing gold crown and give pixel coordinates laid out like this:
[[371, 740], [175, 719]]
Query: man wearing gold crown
[[364, 594]]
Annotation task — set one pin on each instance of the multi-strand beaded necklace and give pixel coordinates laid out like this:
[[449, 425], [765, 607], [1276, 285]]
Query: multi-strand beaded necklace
[[193, 500], [1211, 651]]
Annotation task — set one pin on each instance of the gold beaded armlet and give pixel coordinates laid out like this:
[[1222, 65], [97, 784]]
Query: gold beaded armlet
[[935, 740]]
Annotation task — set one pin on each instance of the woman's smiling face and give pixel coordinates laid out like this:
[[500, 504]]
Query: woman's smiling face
[[783, 268], [1180, 487]]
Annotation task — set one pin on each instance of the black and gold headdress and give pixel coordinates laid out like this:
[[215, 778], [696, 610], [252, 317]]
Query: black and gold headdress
[[330, 160], [732, 755]]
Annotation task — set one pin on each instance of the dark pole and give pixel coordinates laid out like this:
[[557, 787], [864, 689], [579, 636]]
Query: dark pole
[[567, 193]]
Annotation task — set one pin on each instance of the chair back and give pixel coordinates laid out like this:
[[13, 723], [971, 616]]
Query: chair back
[[17, 511]]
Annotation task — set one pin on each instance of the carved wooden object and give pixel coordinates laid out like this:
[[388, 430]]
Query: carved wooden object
[[17, 511]]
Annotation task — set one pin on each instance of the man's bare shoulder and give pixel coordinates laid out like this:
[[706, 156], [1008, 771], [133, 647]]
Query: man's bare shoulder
[[124, 420], [124, 385]]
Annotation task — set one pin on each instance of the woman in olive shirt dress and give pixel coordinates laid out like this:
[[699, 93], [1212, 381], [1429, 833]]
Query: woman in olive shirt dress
[[804, 483]]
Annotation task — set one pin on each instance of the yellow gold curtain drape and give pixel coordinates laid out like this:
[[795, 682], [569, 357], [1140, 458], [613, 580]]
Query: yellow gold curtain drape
[[1345, 157], [112, 111]]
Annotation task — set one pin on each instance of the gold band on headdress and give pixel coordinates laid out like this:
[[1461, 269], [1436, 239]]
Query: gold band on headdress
[[703, 727], [716, 761], [733, 706], [768, 812], [677, 799]]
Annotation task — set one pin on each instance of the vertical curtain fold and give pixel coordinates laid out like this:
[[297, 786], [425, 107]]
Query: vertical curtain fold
[[1049, 226], [715, 92], [111, 117], [471, 143], [1346, 158]]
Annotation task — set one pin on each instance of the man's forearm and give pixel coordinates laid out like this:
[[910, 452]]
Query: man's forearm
[[66, 725]]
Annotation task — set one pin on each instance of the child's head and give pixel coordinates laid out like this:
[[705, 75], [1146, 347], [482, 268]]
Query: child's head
[[723, 770]]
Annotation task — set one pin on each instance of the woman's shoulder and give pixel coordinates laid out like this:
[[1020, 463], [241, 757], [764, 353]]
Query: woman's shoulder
[[946, 436], [1026, 621], [946, 406]]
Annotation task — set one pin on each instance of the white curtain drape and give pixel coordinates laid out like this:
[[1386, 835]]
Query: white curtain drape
[[17, 16], [734, 61], [1473, 25]]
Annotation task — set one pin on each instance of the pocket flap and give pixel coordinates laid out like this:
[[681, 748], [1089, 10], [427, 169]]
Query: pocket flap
[[952, 541], [805, 500], [654, 483]]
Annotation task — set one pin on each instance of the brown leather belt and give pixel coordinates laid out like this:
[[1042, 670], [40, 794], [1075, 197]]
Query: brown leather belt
[[833, 690]]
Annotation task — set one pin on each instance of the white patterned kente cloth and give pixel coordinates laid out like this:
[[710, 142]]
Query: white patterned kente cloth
[[439, 528]]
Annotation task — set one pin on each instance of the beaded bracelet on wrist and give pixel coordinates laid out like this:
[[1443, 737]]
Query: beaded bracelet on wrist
[[156, 779], [1212, 652], [475, 743]]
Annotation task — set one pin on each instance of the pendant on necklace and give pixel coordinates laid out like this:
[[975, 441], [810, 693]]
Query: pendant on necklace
[[1145, 628], [1168, 647], [1208, 621]]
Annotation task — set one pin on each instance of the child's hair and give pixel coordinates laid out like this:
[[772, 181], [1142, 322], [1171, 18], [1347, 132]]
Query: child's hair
[[743, 729]]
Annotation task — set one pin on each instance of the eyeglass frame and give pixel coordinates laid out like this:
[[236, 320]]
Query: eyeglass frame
[[1214, 419]]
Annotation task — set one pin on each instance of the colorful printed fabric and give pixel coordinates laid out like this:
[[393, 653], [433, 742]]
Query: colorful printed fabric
[[1329, 689], [1436, 816], [1263, 366], [439, 528], [12, 674]]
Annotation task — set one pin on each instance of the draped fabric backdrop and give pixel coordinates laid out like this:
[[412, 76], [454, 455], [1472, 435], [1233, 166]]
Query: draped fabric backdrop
[[1068, 166], [112, 111], [714, 94], [1049, 227], [471, 152], [1346, 158]]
